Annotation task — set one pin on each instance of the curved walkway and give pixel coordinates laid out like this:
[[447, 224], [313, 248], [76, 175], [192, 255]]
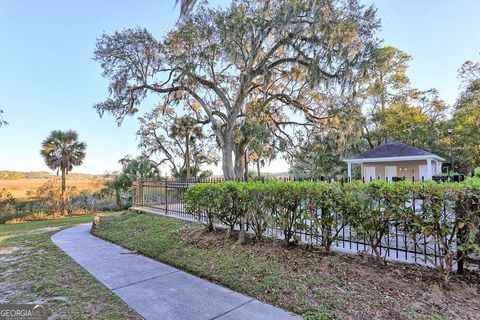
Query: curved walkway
[[156, 290]]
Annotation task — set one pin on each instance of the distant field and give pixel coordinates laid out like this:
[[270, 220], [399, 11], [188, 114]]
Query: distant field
[[19, 187]]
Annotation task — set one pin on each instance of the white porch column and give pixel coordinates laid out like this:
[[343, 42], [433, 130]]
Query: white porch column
[[349, 171], [429, 169]]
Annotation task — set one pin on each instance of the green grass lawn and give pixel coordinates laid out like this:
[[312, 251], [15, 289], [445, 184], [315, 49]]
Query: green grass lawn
[[305, 281], [34, 270]]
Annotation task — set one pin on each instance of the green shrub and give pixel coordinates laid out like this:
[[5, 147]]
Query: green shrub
[[9, 215], [436, 221], [260, 207], [6, 200], [231, 204], [372, 208], [324, 206], [289, 208], [467, 210], [476, 173], [8, 207], [447, 218], [200, 201]]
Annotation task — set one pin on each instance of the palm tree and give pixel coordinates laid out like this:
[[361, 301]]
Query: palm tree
[[61, 151], [187, 130], [133, 169]]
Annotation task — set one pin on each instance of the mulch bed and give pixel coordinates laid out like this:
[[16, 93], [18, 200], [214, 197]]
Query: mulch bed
[[353, 286]]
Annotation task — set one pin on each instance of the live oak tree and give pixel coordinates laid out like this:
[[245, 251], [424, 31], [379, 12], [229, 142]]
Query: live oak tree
[[189, 136], [263, 148], [178, 140], [292, 57], [258, 132], [62, 151]]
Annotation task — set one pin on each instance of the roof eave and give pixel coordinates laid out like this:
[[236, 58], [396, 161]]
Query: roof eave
[[391, 159]]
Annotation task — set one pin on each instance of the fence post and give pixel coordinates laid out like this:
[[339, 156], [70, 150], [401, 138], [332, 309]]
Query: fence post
[[460, 238], [141, 192], [134, 193], [166, 195]]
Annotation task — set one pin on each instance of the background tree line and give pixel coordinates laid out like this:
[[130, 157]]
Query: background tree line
[[305, 79], [389, 109]]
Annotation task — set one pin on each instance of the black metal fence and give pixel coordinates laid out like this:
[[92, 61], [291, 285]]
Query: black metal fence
[[165, 197], [166, 194]]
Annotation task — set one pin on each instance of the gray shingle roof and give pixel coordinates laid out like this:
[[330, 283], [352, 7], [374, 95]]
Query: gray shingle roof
[[392, 149]]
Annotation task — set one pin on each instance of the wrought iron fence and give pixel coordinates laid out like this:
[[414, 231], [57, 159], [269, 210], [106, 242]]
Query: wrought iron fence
[[164, 194], [165, 197]]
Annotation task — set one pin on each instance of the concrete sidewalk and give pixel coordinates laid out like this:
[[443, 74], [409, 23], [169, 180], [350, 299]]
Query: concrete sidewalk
[[156, 290]]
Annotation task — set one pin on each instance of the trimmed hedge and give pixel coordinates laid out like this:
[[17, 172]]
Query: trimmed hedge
[[445, 212]]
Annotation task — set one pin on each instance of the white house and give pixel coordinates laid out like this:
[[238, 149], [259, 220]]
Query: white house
[[395, 159]]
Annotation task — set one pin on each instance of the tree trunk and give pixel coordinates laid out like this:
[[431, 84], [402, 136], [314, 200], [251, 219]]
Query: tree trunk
[[241, 235], [187, 157], [227, 159], [258, 168], [240, 157], [239, 162], [118, 200], [64, 194]]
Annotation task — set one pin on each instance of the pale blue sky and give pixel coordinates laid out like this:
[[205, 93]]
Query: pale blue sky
[[48, 79]]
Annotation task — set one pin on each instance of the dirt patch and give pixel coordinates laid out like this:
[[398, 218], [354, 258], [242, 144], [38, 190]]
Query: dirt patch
[[59, 299], [43, 230], [14, 253], [9, 250], [7, 290], [355, 286]]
